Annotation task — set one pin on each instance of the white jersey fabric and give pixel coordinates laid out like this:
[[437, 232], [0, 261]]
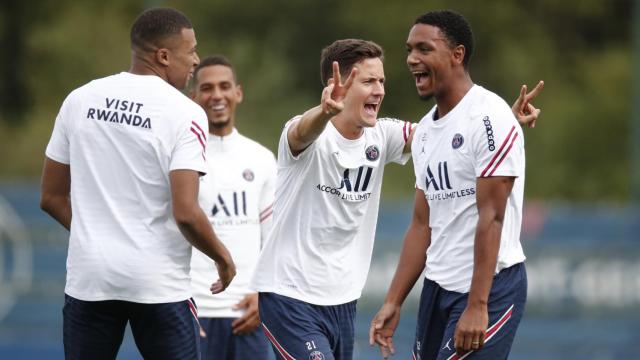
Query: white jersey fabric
[[325, 213], [121, 136], [237, 196], [479, 137]]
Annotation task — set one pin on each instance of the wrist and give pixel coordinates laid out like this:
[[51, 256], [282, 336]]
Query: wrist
[[477, 302], [393, 301], [224, 260], [325, 114]]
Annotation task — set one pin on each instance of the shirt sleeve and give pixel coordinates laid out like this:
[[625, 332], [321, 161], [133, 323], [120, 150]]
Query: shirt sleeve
[[189, 151], [285, 156], [58, 147], [397, 134], [417, 167], [498, 145], [267, 197]]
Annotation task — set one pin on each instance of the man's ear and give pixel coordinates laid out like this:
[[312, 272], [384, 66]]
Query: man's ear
[[239, 94], [162, 56], [458, 53]]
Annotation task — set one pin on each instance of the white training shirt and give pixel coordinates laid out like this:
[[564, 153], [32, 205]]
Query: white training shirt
[[237, 196], [121, 136], [325, 213], [479, 137]]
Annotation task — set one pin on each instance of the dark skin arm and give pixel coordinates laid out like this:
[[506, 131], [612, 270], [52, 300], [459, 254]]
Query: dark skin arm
[[55, 189], [195, 226], [410, 266], [491, 197]]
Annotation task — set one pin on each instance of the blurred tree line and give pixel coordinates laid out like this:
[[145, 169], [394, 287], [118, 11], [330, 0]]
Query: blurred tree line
[[582, 49]]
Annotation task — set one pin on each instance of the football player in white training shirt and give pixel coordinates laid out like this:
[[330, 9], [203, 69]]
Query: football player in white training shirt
[[330, 165], [121, 173], [468, 155], [237, 195]]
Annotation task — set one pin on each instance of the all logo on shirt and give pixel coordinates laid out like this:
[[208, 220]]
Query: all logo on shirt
[[372, 152], [235, 205], [438, 184], [353, 186], [230, 209], [441, 182]]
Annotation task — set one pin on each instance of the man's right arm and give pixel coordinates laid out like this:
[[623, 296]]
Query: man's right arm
[[195, 226], [305, 131], [410, 266], [55, 189]]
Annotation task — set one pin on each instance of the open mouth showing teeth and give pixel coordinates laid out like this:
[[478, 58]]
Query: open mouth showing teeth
[[421, 76], [218, 107], [370, 108]]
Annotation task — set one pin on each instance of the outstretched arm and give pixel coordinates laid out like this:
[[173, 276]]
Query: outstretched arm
[[195, 226], [410, 266], [304, 132], [407, 146], [525, 112]]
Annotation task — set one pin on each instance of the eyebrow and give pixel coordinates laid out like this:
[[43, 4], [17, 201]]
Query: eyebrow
[[425, 42]]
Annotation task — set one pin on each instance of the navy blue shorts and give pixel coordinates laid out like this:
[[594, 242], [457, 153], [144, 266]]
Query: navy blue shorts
[[94, 329], [221, 344], [440, 310], [299, 330]]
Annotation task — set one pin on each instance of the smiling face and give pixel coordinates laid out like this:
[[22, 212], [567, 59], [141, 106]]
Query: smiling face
[[217, 92], [364, 97], [181, 58], [431, 60]]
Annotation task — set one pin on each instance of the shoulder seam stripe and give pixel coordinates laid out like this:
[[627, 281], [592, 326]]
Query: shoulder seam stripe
[[495, 157]]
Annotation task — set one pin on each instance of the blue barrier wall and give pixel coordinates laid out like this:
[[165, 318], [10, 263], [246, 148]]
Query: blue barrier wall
[[583, 266]]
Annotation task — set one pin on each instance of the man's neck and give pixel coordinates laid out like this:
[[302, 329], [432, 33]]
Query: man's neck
[[220, 131], [453, 95], [140, 65], [347, 129]]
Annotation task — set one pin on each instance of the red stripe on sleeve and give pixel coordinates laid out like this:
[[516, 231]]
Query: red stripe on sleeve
[[504, 155], [204, 135], [199, 138], [404, 131], [504, 143]]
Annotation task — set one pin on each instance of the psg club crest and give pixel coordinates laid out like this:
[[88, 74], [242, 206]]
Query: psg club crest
[[248, 175], [372, 152], [316, 355], [457, 141]]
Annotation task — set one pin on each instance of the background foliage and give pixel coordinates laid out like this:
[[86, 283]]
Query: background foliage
[[582, 49]]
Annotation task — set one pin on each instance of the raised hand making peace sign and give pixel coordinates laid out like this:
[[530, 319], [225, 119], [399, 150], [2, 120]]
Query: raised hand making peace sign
[[525, 112], [335, 91]]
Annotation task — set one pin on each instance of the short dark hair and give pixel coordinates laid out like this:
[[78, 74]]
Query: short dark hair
[[154, 25], [215, 60], [347, 53], [454, 27]]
